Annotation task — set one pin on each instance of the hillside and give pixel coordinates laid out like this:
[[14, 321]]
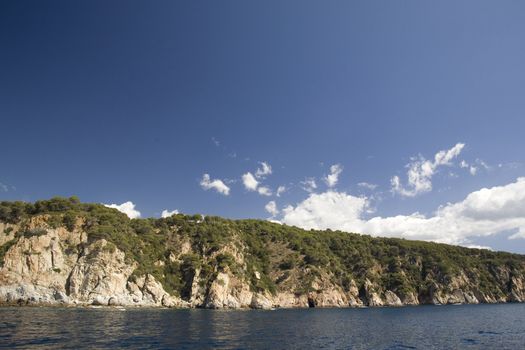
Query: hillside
[[62, 251]]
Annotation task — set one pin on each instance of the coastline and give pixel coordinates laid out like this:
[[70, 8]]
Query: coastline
[[247, 265], [30, 304]]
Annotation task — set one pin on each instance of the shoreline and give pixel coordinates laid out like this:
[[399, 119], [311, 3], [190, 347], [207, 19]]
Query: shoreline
[[153, 307]]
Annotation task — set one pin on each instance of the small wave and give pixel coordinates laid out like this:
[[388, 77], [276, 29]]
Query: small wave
[[469, 341], [400, 346], [489, 333]]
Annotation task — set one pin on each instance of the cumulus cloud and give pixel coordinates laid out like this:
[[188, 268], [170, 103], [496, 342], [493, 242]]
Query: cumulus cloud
[[421, 170], [216, 184], [252, 184], [367, 185], [332, 178], [3, 187], [264, 191], [127, 208], [336, 210], [482, 213], [280, 190], [249, 181], [166, 213], [271, 208], [264, 170], [309, 184]]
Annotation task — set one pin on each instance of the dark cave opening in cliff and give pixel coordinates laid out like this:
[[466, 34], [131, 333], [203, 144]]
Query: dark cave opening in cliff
[[311, 302]]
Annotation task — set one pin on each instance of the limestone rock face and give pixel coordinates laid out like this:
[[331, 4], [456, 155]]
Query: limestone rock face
[[23, 294], [59, 266], [326, 294], [55, 266], [198, 292], [39, 262], [517, 289], [410, 299], [100, 273], [372, 296], [391, 299], [228, 292], [287, 299], [353, 295], [260, 301]]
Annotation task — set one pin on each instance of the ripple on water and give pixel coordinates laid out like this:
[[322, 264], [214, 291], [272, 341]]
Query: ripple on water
[[468, 326], [489, 333], [400, 347], [469, 341]]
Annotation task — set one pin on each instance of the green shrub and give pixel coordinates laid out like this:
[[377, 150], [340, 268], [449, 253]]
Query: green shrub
[[34, 232], [4, 248]]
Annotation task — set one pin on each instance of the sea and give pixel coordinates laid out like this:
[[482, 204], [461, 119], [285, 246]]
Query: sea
[[498, 327]]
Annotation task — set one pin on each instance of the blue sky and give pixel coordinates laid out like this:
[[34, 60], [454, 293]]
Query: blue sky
[[136, 101]]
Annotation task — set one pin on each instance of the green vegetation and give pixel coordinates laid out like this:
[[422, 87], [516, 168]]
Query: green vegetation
[[3, 249], [270, 252], [35, 232]]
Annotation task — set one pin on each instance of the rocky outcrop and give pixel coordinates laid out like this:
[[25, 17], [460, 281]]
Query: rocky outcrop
[[63, 267], [100, 273], [55, 265], [228, 292], [391, 299]]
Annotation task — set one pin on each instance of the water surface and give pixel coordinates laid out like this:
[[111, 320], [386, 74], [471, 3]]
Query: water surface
[[424, 327]]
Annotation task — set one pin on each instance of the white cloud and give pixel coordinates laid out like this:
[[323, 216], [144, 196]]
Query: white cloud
[[330, 209], [264, 170], [216, 184], [444, 157], [471, 168], [249, 181], [482, 213], [477, 246], [474, 167], [420, 172], [271, 208], [367, 185], [332, 179], [166, 213], [251, 184], [264, 191], [309, 184], [3, 187], [127, 208], [280, 190]]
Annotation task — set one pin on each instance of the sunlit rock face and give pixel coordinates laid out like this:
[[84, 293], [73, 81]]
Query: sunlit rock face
[[59, 264]]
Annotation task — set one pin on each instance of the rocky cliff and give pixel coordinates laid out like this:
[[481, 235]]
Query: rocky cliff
[[65, 252]]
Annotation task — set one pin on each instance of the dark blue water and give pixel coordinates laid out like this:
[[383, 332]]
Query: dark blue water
[[424, 327]]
